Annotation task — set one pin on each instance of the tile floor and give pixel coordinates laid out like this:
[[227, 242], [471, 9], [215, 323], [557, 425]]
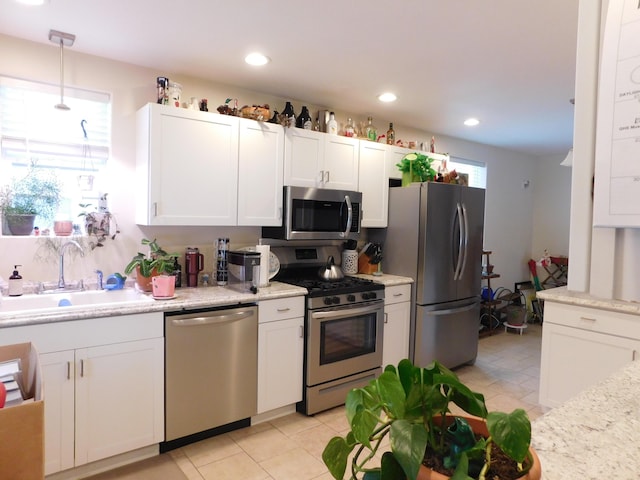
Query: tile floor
[[290, 447]]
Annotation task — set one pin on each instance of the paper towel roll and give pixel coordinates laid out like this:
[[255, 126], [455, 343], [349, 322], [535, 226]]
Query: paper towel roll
[[264, 251]]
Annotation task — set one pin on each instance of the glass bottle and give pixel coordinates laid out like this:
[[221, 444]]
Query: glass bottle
[[332, 124], [349, 129], [304, 120], [391, 135], [289, 115], [370, 130]]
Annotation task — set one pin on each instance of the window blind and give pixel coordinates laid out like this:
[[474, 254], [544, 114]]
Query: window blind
[[477, 171]]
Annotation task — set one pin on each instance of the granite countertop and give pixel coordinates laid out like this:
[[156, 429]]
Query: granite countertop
[[186, 298], [386, 279], [596, 434], [563, 295]]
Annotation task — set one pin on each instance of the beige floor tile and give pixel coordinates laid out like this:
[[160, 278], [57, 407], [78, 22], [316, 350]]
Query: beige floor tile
[[294, 423], [239, 466], [185, 465], [252, 430], [210, 450], [295, 464], [267, 444], [313, 440]]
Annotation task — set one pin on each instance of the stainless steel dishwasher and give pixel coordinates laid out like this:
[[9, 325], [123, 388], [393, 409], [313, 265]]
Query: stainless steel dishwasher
[[211, 372]]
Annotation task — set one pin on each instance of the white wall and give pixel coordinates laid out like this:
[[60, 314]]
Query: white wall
[[509, 206]]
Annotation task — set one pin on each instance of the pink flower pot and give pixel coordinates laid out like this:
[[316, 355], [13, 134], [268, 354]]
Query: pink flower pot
[[163, 286]]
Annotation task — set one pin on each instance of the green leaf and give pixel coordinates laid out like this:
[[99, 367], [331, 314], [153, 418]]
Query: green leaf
[[335, 456], [408, 444], [462, 470], [511, 432], [390, 469], [391, 393]]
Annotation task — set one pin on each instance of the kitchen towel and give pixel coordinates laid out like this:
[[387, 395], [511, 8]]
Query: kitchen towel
[[264, 251]]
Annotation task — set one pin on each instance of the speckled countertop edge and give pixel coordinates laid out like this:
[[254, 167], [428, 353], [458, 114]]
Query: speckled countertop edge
[[596, 434], [563, 295], [186, 298], [386, 279]]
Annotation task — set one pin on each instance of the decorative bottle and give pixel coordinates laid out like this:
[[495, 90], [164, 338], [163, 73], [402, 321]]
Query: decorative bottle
[[391, 135], [288, 115], [370, 131], [349, 129], [304, 120], [332, 125]]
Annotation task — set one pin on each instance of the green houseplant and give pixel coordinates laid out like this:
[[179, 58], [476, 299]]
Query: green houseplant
[[156, 262], [98, 225], [416, 167], [37, 193], [411, 406]]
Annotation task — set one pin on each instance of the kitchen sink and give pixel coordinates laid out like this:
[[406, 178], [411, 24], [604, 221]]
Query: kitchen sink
[[73, 300]]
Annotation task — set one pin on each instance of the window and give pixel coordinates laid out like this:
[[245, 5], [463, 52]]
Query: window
[[477, 171], [74, 143]]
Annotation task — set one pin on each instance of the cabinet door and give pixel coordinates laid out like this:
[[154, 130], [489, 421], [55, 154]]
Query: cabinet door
[[573, 360], [280, 357], [396, 333], [58, 377], [260, 173], [188, 162], [119, 398], [373, 184], [340, 164], [394, 155], [303, 157]]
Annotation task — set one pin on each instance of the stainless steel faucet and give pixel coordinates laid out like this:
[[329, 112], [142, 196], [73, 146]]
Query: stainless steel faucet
[[64, 247]]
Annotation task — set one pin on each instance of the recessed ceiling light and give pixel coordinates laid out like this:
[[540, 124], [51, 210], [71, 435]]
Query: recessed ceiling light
[[256, 59], [471, 122], [387, 97]]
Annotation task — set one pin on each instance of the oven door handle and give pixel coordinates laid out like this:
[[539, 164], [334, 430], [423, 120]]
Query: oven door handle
[[349, 216], [328, 315]]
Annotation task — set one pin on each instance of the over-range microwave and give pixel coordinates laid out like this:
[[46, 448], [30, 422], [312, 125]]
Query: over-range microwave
[[318, 214]]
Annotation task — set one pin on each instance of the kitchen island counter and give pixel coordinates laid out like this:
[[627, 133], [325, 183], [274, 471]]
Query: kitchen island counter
[[385, 279], [582, 299], [595, 434], [185, 299]]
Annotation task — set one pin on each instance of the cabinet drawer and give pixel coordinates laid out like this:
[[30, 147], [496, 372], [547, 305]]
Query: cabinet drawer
[[280, 308], [397, 294], [592, 319]]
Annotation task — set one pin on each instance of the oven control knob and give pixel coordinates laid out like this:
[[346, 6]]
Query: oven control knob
[[351, 298], [327, 301], [335, 300]]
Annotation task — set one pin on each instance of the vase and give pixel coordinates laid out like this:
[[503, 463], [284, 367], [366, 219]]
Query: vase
[[479, 426], [163, 286], [408, 178], [63, 228], [19, 224], [145, 284]]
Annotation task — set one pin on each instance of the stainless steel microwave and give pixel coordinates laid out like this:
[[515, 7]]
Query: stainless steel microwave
[[318, 214]]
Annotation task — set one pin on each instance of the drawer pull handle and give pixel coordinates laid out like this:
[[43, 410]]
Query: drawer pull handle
[[589, 319], [301, 334], [398, 294], [386, 318], [284, 309]]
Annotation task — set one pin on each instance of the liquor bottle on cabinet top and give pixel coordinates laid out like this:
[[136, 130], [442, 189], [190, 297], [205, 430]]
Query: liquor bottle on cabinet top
[[391, 135], [289, 116], [304, 120], [349, 129], [370, 130], [332, 124]]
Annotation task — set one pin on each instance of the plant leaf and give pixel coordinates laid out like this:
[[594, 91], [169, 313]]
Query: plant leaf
[[335, 456], [390, 469], [511, 432], [462, 470], [391, 393], [408, 444]]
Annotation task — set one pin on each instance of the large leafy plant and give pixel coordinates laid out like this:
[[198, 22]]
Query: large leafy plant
[[38, 192], [157, 259], [408, 404], [418, 166]]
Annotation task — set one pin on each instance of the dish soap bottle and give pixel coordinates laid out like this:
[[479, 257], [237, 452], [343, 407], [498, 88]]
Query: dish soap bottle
[[15, 283]]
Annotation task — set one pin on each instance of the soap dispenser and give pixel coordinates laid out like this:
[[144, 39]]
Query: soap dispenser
[[15, 283]]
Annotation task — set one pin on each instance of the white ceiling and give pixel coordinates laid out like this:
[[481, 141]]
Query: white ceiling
[[510, 63]]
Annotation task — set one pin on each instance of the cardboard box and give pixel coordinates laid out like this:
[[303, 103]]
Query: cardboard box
[[22, 426]]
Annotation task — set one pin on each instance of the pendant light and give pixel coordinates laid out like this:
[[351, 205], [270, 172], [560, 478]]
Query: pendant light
[[62, 39]]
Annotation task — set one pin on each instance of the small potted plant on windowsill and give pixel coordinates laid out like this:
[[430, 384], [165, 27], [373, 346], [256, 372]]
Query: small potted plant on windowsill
[[37, 193], [156, 262], [410, 405]]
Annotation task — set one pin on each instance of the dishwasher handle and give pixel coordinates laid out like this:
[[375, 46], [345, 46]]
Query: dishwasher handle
[[212, 318]]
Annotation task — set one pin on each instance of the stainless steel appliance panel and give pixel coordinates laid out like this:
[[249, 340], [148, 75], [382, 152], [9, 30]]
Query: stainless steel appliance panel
[[447, 332], [211, 362]]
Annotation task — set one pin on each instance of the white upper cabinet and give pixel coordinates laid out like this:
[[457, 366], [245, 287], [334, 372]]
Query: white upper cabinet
[[260, 176], [373, 183], [315, 159], [205, 169]]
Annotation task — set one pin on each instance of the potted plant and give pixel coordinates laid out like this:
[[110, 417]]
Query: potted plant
[[156, 262], [98, 225], [37, 193], [411, 405], [416, 167]]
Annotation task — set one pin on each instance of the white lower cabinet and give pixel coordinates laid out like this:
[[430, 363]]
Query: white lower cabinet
[[280, 352], [397, 319], [581, 347], [103, 386]]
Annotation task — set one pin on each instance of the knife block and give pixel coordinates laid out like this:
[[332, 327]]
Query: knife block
[[364, 266]]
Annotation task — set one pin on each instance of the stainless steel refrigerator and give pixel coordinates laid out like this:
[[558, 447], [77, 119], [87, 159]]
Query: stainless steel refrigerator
[[434, 236]]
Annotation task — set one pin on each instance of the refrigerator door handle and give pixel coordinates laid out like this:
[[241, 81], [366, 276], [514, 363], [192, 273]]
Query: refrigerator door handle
[[465, 249], [449, 311], [457, 271]]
